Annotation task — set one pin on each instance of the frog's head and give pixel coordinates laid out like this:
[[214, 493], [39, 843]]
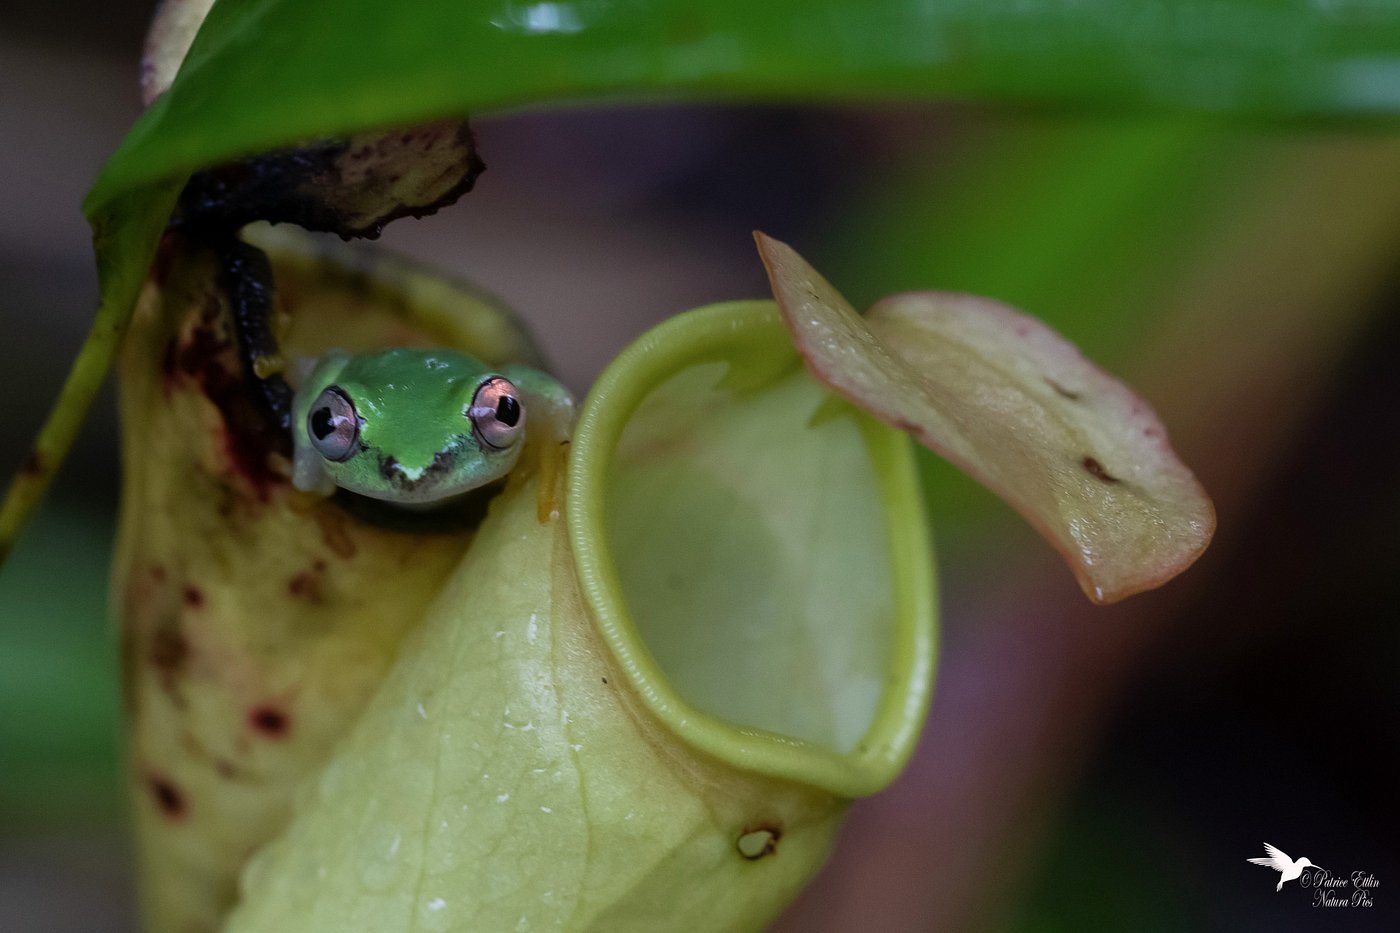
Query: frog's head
[[406, 425]]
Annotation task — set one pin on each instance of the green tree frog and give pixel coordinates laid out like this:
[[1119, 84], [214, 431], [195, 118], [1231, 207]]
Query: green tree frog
[[417, 427]]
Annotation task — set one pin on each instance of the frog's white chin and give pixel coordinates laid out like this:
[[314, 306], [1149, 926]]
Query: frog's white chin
[[426, 505]]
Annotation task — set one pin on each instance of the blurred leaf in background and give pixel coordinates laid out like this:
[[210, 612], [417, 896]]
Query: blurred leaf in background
[[1082, 222], [58, 676]]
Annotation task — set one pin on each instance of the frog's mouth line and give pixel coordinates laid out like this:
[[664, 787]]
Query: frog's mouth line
[[445, 516]]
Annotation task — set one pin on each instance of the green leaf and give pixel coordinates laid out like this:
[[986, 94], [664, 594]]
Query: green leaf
[[265, 73], [268, 72]]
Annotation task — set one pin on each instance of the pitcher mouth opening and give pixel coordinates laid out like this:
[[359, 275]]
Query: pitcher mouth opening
[[755, 553]]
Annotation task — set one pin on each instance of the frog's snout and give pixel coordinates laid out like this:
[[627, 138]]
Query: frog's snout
[[408, 478]]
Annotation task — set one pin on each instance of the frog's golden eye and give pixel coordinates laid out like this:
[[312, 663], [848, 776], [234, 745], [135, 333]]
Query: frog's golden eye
[[333, 426], [496, 413]]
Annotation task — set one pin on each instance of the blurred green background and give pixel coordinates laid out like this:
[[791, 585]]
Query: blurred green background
[[1084, 768]]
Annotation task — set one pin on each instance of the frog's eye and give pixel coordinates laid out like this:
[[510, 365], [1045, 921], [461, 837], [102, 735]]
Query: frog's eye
[[333, 426], [496, 413]]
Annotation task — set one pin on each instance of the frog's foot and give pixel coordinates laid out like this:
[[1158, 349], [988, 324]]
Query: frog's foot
[[245, 275]]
